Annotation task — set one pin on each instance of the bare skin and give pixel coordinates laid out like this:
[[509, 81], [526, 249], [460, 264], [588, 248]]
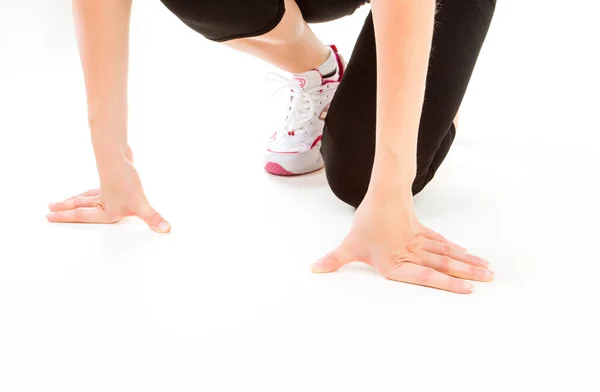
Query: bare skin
[[291, 46], [386, 232]]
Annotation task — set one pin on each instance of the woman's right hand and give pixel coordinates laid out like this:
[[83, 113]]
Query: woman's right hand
[[120, 195]]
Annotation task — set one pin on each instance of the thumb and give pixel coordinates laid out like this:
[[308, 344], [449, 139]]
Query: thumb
[[154, 220], [333, 261]]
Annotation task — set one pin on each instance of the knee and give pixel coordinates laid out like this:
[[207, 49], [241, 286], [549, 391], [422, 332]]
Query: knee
[[195, 14], [487, 8], [346, 185], [225, 20], [341, 190], [421, 182], [352, 189]]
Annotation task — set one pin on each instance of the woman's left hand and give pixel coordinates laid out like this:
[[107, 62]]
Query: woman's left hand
[[389, 237]]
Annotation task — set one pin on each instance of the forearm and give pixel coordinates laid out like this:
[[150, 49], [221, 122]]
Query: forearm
[[404, 32], [102, 28]]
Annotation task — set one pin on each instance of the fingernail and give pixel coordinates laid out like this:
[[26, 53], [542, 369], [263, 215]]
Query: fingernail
[[52, 206], [50, 216], [164, 227], [468, 286], [485, 263]]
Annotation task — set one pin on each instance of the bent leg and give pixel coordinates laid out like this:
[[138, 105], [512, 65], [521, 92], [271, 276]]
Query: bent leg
[[349, 137], [272, 30]]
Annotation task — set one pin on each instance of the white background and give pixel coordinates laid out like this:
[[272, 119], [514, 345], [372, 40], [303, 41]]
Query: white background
[[226, 302]]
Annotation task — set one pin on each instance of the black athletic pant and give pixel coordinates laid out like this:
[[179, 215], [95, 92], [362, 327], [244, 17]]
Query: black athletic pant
[[348, 144]]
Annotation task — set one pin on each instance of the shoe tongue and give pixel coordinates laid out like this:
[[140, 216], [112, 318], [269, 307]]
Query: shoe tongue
[[309, 79]]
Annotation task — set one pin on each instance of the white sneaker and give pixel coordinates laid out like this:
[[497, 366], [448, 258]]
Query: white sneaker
[[296, 147]]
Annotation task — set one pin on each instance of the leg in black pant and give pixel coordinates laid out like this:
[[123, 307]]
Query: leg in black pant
[[349, 137]]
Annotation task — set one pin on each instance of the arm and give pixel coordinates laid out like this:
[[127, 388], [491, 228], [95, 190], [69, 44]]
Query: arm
[[102, 28], [404, 32], [386, 233], [103, 36]]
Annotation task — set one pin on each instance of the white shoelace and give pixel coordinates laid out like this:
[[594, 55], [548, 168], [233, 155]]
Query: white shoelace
[[302, 103]]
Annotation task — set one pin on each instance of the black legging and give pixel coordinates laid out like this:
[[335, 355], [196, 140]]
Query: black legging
[[348, 144]]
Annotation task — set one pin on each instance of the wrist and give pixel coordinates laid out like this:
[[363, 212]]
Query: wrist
[[393, 171], [111, 155], [110, 170], [109, 138], [385, 195]]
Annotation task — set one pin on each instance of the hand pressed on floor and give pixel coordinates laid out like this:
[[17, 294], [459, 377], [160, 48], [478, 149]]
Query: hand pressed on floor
[[389, 237], [118, 197]]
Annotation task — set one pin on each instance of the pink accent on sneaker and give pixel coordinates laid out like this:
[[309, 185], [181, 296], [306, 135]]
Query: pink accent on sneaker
[[302, 81], [317, 140], [340, 66], [275, 168]]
